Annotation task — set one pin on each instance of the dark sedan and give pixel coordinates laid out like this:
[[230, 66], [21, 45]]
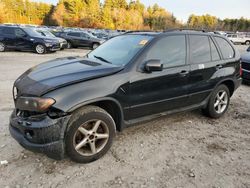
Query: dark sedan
[[81, 39], [245, 63]]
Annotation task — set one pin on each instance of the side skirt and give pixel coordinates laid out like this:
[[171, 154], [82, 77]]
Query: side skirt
[[132, 122]]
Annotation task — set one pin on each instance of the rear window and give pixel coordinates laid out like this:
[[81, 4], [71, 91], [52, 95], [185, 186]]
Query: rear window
[[199, 49], [226, 49]]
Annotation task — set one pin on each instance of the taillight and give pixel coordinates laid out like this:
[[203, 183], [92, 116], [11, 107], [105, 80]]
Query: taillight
[[240, 69]]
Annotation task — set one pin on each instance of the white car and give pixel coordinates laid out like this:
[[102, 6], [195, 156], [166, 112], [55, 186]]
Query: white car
[[238, 39]]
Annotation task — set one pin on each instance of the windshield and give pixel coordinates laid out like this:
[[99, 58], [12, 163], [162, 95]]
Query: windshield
[[45, 33], [120, 50], [31, 32]]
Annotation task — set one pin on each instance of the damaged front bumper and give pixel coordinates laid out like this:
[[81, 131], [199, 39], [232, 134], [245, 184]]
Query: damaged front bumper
[[40, 133]]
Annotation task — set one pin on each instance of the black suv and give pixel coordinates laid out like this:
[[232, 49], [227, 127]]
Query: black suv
[[75, 105], [26, 39], [81, 39]]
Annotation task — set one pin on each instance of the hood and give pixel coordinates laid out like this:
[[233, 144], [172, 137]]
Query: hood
[[246, 57], [61, 72]]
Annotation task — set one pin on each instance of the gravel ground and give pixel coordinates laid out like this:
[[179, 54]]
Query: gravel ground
[[181, 150]]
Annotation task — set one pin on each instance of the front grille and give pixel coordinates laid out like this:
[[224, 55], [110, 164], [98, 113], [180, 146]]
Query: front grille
[[245, 66]]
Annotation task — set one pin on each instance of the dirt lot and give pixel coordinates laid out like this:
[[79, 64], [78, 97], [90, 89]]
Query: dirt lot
[[181, 150]]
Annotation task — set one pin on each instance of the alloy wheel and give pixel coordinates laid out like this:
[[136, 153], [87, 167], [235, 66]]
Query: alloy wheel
[[2, 47], [95, 46], [40, 49], [221, 101], [91, 137]]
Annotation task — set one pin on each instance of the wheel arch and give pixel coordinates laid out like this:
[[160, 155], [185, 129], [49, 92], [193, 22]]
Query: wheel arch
[[109, 104], [230, 84]]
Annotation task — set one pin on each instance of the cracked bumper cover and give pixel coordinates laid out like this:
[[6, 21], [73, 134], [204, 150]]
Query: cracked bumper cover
[[43, 134]]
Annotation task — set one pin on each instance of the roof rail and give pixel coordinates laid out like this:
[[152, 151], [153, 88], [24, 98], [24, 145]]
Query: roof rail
[[184, 29], [135, 31]]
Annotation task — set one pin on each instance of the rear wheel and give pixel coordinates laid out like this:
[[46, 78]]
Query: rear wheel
[[2, 47], [40, 49], [95, 45], [247, 42], [218, 102], [69, 45], [90, 134]]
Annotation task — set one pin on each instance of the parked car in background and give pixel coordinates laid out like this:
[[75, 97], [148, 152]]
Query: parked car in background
[[26, 39], [74, 105], [238, 39], [81, 39], [63, 42], [245, 63]]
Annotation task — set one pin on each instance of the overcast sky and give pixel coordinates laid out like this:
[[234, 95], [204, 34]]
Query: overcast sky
[[183, 8]]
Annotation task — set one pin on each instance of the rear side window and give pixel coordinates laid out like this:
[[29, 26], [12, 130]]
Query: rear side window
[[226, 49], [199, 49], [170, 50], [74, 34], [8, 31], [214, 52]]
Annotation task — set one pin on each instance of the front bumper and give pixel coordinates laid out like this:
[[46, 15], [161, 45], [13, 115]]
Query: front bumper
[[40, 134], [53, 47], [63, 45]]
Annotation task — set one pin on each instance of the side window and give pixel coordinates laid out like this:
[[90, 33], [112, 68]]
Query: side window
[[199, 49], [214, 52], [74, 34], [8, 31], [19, 33], [84, 35], [170, 50], [226, 49]]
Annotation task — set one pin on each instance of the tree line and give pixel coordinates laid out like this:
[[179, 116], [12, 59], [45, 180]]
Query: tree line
[[111, 14]]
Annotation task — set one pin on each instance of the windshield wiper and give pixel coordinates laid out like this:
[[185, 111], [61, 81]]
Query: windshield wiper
[[102, 59]]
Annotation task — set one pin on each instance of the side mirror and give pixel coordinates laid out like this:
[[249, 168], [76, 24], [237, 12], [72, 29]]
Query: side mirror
[[153, 65]]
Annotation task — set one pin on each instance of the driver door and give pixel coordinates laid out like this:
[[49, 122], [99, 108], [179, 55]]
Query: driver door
[[166, 90], [22, 41]]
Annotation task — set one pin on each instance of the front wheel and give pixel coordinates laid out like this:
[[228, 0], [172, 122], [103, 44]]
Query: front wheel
[[40, 49], [90, 134], [218, 102], [247, 42], [2, 47]]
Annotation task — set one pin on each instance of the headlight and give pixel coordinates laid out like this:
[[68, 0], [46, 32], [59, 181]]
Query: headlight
[[34, 104]]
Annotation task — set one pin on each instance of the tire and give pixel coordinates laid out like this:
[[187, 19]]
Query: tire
[[40, 49], [95, 45], [86, 125], [247, 42], [69, 45], [2, 47], [217, 107]]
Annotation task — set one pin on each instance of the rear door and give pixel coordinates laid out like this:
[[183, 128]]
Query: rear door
[[152, 93], [205, 60], [85, 40], [9, 37], [75, 38]]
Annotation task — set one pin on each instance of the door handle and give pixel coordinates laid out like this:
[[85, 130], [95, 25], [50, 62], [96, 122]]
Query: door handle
[[184, 73], [219, 66]]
